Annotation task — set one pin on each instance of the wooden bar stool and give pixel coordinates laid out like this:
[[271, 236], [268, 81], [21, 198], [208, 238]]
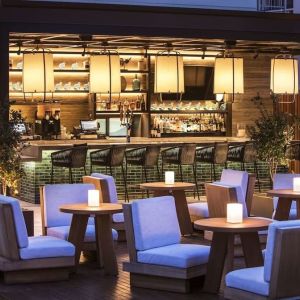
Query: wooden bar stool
[[110, 157]]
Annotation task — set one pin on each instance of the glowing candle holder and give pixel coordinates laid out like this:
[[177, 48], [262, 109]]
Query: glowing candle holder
[[234, 213], [169, 177], [296, 184], [93, 198]]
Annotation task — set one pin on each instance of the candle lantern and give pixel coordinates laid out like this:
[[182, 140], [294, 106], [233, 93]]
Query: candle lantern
[[234, 213], [93, 198], [169, 177]]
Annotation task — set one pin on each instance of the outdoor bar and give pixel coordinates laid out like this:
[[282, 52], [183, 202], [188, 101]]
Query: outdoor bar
[[148, 151]]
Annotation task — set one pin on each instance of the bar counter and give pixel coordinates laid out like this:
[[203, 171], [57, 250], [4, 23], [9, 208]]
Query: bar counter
[[33, 150], [36, 163]]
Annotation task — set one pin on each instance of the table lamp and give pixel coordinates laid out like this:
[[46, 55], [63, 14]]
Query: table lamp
[[234, 213], [169, 177], [93, 198], [296, 184]]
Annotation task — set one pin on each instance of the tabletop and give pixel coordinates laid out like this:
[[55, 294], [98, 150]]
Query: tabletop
[[162, 186], [284, 193], [251, 224], [84, 209]]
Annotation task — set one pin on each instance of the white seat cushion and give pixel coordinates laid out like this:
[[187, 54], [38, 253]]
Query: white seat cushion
[[46, 247], [62, 232], [198, 209], [249, 279], [178, 255], [118, 218], [155, 222]]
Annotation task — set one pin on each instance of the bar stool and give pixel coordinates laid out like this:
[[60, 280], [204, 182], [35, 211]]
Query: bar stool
[[214, 155], [71, 158], [181, 156], [146, 157], [110, 157], [244, 153]]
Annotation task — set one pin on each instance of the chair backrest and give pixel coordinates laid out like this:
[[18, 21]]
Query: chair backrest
[[282, 259], [151, 223], [220, 153], [78, 156], [107, 186], [117, 155], [187, 154], [283, 181], [240, 182], [13, 232], [55, 195], [151, 155]]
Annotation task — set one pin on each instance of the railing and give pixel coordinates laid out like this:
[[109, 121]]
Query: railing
[[285, 6]]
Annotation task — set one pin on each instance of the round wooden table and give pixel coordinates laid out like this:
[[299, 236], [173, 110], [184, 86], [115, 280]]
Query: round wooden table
[[103, 230], [222, 246], [177, 190], [285, 199]]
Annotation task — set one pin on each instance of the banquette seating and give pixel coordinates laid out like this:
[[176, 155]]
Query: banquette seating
[[279, 277], [30, 259], [157, 259], [56, 223]]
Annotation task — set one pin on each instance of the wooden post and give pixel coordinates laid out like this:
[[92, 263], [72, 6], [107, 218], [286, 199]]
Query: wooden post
[[4, 71]]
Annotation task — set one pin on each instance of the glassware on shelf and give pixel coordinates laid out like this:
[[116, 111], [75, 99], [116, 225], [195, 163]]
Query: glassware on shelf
[[62, 65], [136, 84], [68, 86], [74, 66], [77, 86], [20, 65]]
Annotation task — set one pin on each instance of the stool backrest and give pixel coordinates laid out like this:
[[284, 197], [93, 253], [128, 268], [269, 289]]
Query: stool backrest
[[187, 154], [13, 231], [117, 154], [151, 223], [220, 153], [55, 195], [282, 259], [78, 156], [151, 155]]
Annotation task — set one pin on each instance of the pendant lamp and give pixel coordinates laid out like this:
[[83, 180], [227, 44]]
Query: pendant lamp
[[229, 76]]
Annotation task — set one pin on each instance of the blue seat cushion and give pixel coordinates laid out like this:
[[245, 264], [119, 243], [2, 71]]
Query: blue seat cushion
[[272, 233], [155, 222], [118, 218], [198, 209], [46, 247], [20, 227], [249, 279], [177, 255], [62, 232]]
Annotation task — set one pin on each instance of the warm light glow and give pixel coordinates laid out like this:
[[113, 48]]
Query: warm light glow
[[169, 76], [234, 213], [105, 74], [38, 73], [296, 184], [228, 75], [219, 97], [284, 76], [93, 198], [169, 177]]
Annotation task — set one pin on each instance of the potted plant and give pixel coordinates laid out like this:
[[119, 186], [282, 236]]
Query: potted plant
[[271, 134], [10, 150]]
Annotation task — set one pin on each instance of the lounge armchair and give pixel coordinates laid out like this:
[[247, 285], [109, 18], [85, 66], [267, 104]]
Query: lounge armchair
[[26, 259], [280, 275], [56, 223], [157, 258]]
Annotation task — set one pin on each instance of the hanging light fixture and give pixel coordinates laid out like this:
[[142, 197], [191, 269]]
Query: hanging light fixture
[[284, 77], [229, 76], [169, 73], [105, 74], [38, 75]]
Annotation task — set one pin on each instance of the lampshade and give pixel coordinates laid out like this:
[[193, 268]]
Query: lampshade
[[169, 76], [105, 74], [229, 75], [284, 76], [38, 76]]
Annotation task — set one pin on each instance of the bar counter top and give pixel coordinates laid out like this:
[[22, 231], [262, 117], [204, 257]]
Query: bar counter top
[[33, 149]]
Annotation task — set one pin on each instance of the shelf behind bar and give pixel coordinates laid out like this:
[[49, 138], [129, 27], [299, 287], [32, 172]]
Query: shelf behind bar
[[188, 112], [84, 71], [80, 91]]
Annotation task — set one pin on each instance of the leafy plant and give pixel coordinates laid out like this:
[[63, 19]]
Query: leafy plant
[[10, 150], [272, 134]]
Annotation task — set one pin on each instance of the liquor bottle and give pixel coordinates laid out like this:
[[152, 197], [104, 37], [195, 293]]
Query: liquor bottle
[[143, 104], [136, 84], [158, 133], [138, 104], [108, 105]]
